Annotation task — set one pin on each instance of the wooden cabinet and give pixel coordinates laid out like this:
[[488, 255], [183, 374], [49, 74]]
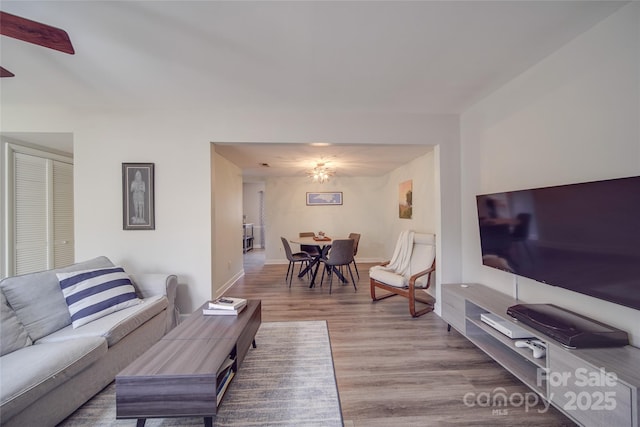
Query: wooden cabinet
[[247, 237], [593, 387]]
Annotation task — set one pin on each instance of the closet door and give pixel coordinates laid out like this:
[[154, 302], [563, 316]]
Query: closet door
[[30, 214], [42, 212], [62, 239]]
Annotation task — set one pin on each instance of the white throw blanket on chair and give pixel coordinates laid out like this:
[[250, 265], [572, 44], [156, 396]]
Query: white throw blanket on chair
[[400, 261]]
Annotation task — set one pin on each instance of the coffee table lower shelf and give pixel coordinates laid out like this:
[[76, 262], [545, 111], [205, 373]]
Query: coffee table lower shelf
[[186, 373]]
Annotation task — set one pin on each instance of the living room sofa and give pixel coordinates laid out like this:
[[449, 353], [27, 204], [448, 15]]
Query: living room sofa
[[50, 364]]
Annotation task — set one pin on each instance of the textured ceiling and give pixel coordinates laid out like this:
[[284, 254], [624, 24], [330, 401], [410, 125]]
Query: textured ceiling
[[296, 159], [382, 57]]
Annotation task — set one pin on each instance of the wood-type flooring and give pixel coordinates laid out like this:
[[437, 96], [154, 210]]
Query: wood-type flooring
[[392, 369]]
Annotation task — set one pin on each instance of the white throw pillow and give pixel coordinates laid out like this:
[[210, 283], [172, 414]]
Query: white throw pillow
[[91, 294]]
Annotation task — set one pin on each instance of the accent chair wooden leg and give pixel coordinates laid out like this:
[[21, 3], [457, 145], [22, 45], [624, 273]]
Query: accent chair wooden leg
[[412, 303]]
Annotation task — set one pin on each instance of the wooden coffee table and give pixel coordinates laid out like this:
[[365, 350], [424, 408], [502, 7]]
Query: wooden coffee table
[[186, 373]]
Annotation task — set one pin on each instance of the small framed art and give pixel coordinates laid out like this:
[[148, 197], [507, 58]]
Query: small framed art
[[324, 198], [405, 199], [138, 187]]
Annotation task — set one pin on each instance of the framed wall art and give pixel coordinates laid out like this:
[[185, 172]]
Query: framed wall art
[[324, 198], [138, 187], [405, 199]]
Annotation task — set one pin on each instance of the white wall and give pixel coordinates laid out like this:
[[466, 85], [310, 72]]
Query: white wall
[[178, 142], [180, 244], [422, 172], [226, 225], [573, 117], [286, 213], [370, 207]]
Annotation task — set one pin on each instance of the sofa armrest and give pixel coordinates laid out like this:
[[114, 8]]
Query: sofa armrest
[[150, 284]]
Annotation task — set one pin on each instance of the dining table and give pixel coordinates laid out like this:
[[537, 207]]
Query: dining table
[[324, 244]]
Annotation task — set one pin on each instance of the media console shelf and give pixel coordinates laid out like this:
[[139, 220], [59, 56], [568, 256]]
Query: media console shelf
[[593, 387], [247, 237]]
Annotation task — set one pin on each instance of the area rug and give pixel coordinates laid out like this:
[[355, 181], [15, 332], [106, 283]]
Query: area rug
[[288, 380]]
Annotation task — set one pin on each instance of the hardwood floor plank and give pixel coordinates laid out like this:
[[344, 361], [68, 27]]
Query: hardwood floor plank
[[392, 369]]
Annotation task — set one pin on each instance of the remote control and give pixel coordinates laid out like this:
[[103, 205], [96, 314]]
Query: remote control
[[538, 347]]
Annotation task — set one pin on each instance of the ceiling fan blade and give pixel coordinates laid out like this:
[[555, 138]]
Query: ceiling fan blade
[[35, 32], [5, 73]]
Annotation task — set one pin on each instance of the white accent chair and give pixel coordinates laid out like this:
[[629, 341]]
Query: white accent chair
[[411, 269]]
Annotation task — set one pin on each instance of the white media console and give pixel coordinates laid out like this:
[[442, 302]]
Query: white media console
[[593, 387]]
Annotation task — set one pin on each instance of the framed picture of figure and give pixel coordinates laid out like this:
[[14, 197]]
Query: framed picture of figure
[[138, 186]]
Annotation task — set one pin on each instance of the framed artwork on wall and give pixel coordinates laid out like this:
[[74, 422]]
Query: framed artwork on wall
[[138, 187], [405, 199], [324, 198]]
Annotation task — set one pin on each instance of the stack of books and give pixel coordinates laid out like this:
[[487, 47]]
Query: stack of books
[[225, 306], [225, 374]]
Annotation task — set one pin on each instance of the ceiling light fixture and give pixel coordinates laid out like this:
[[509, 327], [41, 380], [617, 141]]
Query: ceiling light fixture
[[321, 173]]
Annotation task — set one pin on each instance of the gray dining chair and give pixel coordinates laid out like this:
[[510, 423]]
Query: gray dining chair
[[301, 257], [356, 242], [340, 254]]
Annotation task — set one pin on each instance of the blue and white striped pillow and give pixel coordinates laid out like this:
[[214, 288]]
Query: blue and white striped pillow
[[91, 294]]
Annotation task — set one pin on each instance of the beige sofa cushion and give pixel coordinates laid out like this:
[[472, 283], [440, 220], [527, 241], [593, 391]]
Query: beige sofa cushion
[[114, 326], [32, 371]]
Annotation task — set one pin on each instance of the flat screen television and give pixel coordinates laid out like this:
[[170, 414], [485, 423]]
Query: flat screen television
[[583, 237]]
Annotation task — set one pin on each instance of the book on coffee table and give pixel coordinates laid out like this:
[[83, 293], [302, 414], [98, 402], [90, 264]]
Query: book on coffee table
[[227, 303], [222, 312], [225, 374]]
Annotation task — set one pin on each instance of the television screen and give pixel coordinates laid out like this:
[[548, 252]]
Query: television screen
[[582, 237]]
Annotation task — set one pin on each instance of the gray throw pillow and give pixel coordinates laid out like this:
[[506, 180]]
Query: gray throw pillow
[[37, 298], [13, 335]]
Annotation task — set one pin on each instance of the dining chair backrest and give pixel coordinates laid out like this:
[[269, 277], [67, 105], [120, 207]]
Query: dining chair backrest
[[341, 252], [356, 241], [310, 249], [287, 248]]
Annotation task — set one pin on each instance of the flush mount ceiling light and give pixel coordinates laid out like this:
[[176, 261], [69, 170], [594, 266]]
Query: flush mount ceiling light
[[320, 173]]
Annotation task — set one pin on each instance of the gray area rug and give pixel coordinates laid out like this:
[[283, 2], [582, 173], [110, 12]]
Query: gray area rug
[[288, 380]]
